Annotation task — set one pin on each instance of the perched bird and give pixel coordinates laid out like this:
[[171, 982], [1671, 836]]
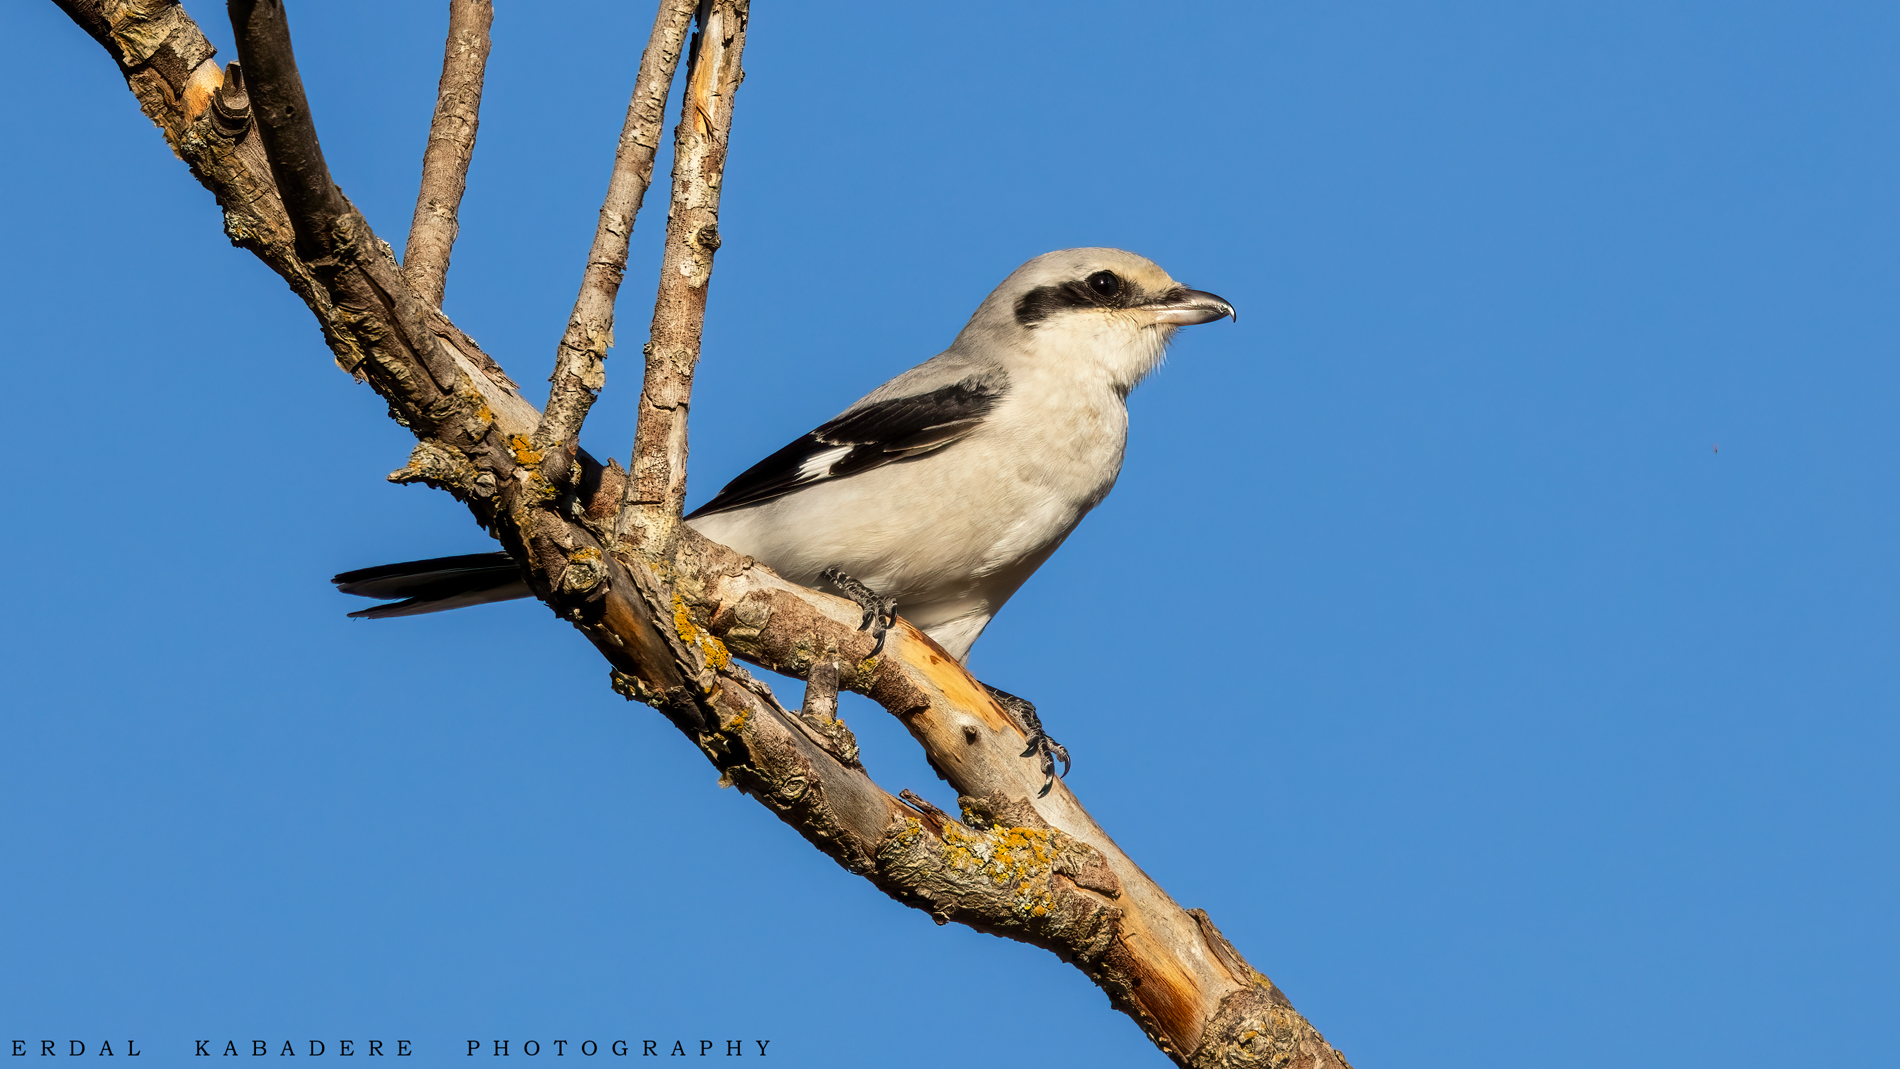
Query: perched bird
[[941, 491]]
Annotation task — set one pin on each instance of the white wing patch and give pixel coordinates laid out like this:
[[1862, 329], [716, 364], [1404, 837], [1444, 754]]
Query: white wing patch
[[819, 464]]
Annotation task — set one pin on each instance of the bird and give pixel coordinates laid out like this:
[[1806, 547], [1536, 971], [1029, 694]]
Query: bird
[[938, 494]]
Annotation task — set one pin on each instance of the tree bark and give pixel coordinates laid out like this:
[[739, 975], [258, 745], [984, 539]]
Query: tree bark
[[458, 107], [656, 493], [671, 618]]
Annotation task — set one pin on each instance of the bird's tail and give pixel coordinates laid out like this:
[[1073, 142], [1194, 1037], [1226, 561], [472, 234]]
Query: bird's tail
[[436, 584]]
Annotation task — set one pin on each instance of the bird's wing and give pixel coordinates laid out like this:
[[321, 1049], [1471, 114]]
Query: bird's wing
[[867, 436]]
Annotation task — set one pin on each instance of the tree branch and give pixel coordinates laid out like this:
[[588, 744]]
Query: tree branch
[[333, 240], [579, 368], [458, 106], [1034, 869], [90, 16], [656, 492], [283, 118]]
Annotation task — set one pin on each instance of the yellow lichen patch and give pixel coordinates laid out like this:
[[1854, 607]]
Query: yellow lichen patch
[[717, 656], [683, 620], [1019, 860], [913, 830], [525, 452]]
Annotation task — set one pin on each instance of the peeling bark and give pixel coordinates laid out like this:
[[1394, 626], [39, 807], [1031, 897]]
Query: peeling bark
[[671, 618]]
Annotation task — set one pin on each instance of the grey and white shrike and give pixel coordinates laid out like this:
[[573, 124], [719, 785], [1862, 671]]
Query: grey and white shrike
[[944, 489]]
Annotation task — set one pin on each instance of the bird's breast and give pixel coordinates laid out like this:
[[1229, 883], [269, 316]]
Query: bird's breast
[[1064, 444], [951, 534]]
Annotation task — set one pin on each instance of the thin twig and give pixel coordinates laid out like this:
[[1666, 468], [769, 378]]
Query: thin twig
[[656, 488], [458, 106], [579, 368]]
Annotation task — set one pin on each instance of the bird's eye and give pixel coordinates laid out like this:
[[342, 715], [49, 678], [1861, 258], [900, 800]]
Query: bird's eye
[[1106, 283]]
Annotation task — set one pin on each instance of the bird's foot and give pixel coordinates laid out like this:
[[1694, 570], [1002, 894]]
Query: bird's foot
[[1040, 744], [880, 613]]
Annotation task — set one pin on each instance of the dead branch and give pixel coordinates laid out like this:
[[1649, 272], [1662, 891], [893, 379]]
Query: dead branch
[[579, 368], [458, 106], [656, 492], [1034, 869]]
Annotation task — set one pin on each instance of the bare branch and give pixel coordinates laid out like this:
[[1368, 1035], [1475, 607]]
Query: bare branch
[[283, 118], [657, 490], [579, 368], [332, 238], [90, 15], [458, 106]]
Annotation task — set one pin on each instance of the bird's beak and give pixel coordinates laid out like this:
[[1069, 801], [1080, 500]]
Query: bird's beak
[[1185, 307]]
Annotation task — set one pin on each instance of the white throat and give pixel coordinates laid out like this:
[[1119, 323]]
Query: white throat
[[1118, 348]]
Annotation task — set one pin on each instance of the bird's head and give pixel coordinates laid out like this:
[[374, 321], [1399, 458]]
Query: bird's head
[[1106, 308]]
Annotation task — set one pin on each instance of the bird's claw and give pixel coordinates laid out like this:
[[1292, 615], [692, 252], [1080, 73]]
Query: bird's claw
[[880, 613], [1049, 749], [1040, 744]]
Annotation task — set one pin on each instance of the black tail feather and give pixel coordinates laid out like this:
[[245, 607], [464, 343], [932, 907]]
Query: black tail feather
[[435, 585]]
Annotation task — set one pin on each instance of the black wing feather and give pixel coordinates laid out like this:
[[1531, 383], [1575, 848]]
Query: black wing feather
[[876, 435]]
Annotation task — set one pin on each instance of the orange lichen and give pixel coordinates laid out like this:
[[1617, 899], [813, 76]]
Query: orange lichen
[[717, 656], [524, 450]]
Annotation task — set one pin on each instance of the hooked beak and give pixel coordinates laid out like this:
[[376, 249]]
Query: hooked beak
[[1185, 308]]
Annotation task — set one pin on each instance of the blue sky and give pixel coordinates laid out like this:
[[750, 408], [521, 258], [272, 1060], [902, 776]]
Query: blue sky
[[1494, 629]]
